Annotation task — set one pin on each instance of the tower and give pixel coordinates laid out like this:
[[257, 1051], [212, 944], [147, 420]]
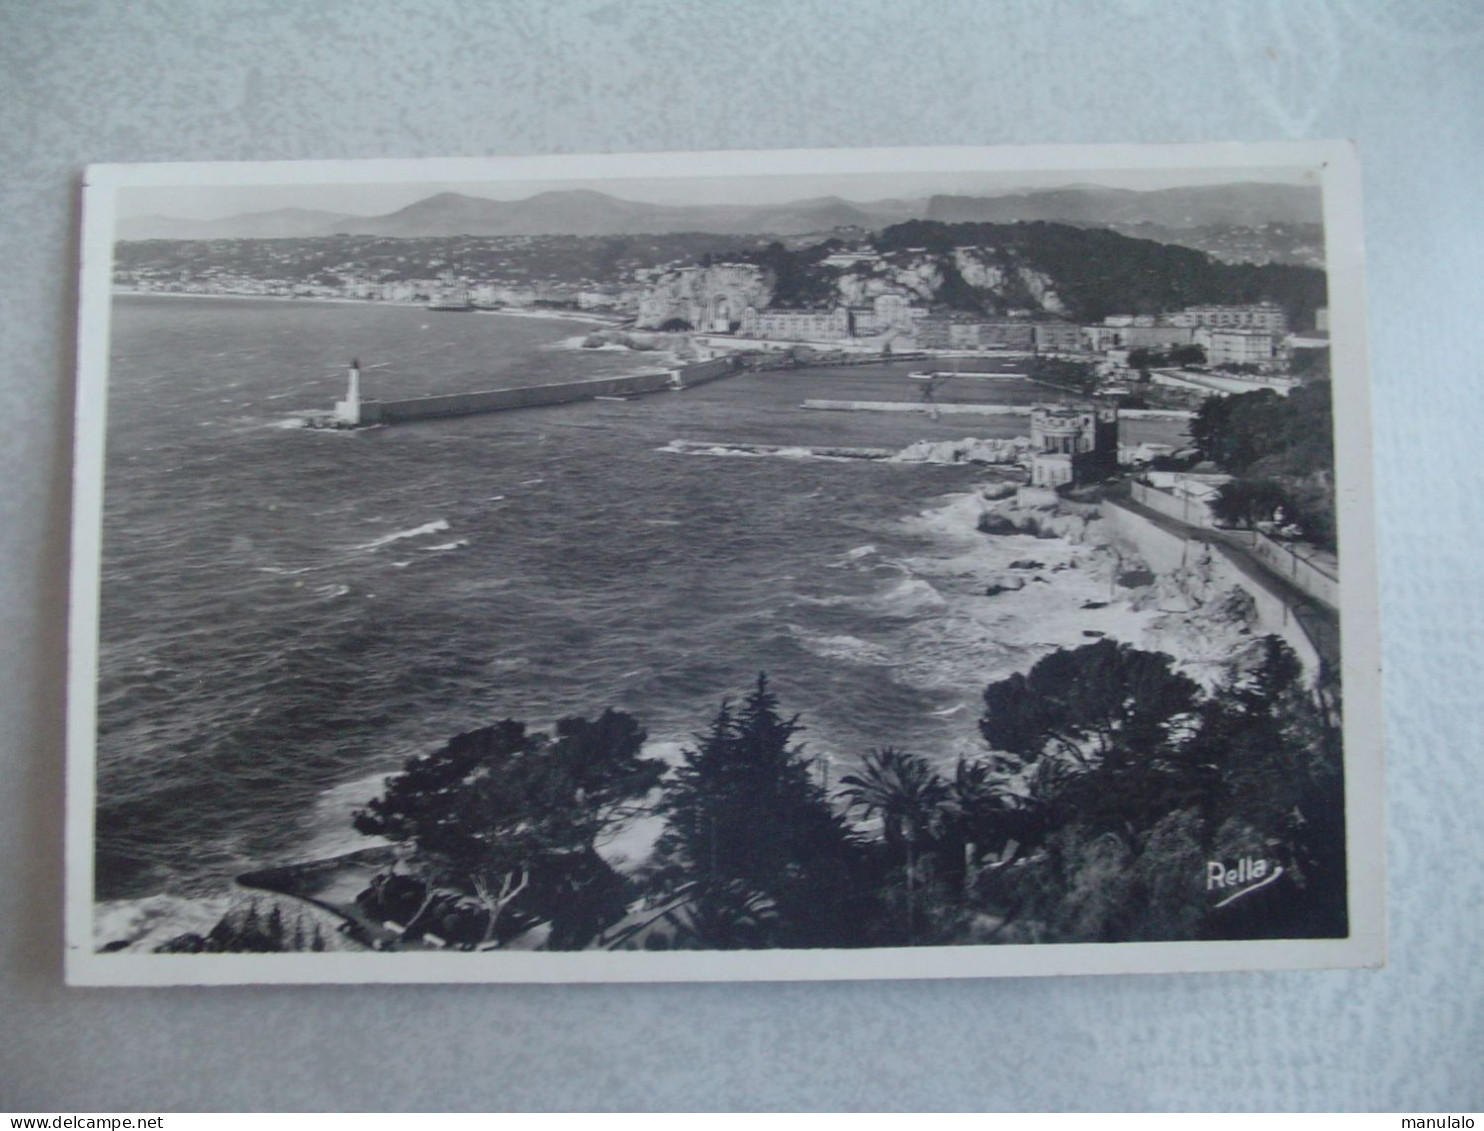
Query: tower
[[1073, 444], [348, 411]]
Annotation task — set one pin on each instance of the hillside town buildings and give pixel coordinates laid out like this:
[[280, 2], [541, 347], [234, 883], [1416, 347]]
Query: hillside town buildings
[[887, 304]]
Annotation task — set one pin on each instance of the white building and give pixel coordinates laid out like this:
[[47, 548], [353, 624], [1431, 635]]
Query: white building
[[797, 325], [1264, 316], [1237, 347]]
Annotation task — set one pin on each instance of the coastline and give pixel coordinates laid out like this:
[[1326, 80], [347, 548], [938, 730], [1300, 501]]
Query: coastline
[[544, 315]]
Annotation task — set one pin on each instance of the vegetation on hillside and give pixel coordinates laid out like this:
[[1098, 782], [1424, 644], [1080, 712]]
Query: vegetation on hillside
[[800, 280], [1097, 272]]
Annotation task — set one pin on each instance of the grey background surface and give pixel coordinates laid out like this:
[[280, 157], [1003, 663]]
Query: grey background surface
[[171, 80]]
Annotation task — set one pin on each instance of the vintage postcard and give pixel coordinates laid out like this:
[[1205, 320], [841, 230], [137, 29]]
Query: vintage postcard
[[785, 565]]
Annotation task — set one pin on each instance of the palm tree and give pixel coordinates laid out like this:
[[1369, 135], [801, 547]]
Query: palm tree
[[909, 796]]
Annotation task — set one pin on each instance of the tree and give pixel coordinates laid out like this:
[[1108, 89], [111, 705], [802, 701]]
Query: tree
[[1246, 502], [986, 816], [1262, 433], [1278, 781], [799, 278], [747, 827], [1146, 359], [909, 796], [1087, 705], [241, 931], [497, 808], [1137, 781]]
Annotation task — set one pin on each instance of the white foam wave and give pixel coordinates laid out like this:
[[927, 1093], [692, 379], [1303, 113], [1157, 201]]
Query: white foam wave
[[143, 924], [415, 532], [334, 834], [454, 545], [909, 596], [843, 647]]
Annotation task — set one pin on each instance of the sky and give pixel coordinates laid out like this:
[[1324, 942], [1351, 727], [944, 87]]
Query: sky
[[208, 202]]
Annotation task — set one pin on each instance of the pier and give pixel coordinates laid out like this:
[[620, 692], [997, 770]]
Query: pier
[[354, 412]]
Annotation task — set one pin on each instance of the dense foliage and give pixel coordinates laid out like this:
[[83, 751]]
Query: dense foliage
[[748, 829], [1109, 783], [510, 818], [1281, 450], [1138, 782], [800, 280]]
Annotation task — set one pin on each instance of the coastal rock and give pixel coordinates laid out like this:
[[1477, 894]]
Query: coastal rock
[[968, 450], [1004, 583], [1076, 523]]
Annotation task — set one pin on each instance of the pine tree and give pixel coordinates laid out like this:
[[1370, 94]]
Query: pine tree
[[275, 931], [747, 827], [500, 809]]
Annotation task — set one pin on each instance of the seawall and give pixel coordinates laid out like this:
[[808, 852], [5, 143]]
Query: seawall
[[1166, 552], [535, 396]]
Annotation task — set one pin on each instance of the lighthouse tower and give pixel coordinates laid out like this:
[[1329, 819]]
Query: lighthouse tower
[[348, 411]]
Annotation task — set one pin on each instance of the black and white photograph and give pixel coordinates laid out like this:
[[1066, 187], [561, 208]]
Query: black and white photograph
[[779, 565]]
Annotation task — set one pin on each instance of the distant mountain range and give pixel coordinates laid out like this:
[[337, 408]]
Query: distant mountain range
[[282, 223], [1243, 205], [584, 212]]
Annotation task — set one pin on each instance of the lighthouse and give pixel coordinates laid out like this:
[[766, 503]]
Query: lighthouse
[[348, 411]]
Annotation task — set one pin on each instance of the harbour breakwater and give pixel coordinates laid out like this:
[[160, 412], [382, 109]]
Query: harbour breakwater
[[534, 396]]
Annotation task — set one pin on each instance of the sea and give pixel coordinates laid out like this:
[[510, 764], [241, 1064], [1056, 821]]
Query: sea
[[288, 614]]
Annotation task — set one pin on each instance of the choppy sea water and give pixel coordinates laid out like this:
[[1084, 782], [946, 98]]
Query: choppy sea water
[[289, 614]]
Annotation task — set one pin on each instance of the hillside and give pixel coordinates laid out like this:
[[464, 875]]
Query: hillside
[[1086, 274]]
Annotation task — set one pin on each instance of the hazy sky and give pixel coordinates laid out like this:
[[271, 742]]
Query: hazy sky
[[207, 202]]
